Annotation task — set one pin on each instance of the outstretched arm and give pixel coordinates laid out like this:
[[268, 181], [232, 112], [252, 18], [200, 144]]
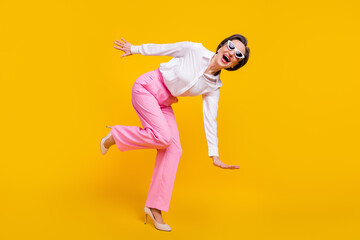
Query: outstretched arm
[[178, 49], [210, 109]]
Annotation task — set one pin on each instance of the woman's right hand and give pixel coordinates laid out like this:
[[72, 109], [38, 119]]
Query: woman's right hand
[[124, 46], [218, 163]]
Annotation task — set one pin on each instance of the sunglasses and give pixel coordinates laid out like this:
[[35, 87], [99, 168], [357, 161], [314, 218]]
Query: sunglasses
[[238, 53]]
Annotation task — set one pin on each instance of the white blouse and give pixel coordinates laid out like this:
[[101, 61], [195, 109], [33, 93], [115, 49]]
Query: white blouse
[[184, 76]]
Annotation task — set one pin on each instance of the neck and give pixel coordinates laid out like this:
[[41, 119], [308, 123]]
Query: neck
[[213, 69]]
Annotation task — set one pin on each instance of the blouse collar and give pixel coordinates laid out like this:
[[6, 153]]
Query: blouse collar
[[216, 78]]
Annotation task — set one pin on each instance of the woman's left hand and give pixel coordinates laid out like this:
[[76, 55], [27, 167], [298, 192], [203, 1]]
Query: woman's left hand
[[218, 163]]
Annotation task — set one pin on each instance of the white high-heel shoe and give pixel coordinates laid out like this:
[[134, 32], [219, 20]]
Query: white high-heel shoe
[[102, 146], [159, 226]]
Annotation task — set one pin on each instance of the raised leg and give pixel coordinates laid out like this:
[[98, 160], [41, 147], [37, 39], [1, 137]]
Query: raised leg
[[155, 134]]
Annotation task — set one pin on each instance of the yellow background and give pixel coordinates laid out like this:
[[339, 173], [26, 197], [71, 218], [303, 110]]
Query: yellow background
[[289, 118]]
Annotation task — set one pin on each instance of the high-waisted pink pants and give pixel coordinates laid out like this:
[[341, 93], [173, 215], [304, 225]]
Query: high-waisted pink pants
[[152, 102]]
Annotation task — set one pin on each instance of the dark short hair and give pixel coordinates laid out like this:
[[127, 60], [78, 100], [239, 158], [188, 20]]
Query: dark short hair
[[242, 39]]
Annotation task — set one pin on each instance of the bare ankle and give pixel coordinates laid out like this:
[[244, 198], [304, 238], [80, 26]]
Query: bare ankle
[[156, 210], [109, 142], [157, 214]]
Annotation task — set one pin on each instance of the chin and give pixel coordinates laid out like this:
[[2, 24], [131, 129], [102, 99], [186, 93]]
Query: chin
[[222, 65]]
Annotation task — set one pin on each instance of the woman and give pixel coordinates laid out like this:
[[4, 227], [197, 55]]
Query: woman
[[193, 71]]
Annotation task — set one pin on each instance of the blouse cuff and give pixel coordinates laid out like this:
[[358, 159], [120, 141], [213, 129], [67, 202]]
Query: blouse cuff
[[213, 152], [134, 49]]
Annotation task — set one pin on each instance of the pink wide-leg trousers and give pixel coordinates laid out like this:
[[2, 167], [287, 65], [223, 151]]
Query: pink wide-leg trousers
[[152, 102]]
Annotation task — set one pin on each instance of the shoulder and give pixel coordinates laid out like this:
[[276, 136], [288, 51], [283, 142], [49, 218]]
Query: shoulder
[[201, 50]]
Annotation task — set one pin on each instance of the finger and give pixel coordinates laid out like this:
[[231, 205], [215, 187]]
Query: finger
[[233, 167], [220, 164], [122, 49], [226, 166], [119, 43], [124, 40]]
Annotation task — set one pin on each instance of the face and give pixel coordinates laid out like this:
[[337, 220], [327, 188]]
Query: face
[[232, 60]]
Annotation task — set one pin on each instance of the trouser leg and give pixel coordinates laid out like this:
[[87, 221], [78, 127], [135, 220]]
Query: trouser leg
[[155, 134], [166, 164], [159, 132]]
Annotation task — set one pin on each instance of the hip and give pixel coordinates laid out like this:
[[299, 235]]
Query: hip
[[153, 82]]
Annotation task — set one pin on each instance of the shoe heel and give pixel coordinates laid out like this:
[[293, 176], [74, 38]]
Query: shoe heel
[[158, 226]]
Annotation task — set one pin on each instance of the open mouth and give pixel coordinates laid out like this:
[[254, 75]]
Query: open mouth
[[226, 58]]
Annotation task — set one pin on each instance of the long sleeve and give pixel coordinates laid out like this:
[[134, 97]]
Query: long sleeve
[[210, 109], [178, 49]]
